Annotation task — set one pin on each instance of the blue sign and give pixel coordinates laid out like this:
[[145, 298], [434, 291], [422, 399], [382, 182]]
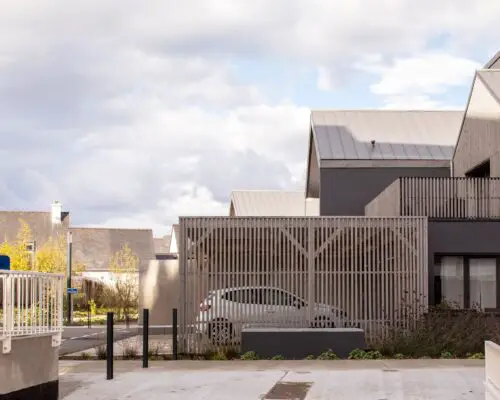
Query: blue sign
[[72, 290], [5, 263]]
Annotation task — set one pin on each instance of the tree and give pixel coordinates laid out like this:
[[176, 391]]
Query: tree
[[123, 293], [20, 257]]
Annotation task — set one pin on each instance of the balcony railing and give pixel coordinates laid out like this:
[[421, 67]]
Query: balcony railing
[[447, 198], [31, 304]]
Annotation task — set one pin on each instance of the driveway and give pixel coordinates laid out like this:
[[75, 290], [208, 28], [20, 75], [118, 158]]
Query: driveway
[[77, 338], [299, 380]]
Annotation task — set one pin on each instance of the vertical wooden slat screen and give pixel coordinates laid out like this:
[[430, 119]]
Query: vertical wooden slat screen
[[372, 269]]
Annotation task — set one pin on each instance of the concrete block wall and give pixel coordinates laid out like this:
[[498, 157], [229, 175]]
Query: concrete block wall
[[30, 371]]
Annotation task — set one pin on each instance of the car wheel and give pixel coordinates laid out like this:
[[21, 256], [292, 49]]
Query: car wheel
[[220, 332], [323, 322]]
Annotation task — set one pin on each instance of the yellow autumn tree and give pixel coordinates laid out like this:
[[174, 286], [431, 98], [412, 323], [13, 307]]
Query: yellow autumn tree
[[123, 293], [20, 257]]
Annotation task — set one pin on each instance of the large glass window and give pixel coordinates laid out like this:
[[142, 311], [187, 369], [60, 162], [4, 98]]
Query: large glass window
[[450, 281], [483, 282]]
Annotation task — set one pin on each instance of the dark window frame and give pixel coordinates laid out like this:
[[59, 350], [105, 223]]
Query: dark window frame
[[466, 278]]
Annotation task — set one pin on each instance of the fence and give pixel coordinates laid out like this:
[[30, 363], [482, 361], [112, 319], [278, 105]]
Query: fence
[[464, 198], [32, 305], [298, 272], [492, 371]]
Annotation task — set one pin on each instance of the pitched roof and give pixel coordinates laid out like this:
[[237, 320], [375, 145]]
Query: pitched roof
[[492, 61], [267, 203], [398, 134], [491, 78], [39, 222], [162, 245], [94, 247]]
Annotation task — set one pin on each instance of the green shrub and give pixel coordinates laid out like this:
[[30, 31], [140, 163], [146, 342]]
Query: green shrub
[[328, 355], [219, 356], [310, 357], [250, 355], [373, 355], [130, 352], [357, 354], [442, 329], [399, 356], [278, 357], [476, 356], [85, 356], [446, 354]]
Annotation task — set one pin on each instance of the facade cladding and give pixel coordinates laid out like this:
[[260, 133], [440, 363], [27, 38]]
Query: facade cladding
[[355, 155]]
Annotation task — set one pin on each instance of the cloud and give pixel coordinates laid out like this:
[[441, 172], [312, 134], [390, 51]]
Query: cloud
[[416, 82], [133, 113]]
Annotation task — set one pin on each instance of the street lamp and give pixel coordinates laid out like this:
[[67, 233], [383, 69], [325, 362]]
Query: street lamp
[[68, 277]]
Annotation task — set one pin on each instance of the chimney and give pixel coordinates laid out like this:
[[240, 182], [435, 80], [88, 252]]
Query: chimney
[[56, 213]]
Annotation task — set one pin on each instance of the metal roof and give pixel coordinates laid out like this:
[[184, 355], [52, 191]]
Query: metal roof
[[268, 203], [491, 78], [398, 134], [492, 61]]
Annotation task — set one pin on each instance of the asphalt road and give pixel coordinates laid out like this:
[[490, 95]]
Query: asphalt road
[[82, 338]]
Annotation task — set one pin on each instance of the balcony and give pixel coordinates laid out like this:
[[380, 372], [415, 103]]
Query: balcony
[[446, 198]]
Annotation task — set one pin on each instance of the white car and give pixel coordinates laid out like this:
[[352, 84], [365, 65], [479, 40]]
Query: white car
[[225, 311]]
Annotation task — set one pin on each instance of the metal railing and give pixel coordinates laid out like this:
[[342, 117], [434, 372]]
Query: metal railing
[[31, 305], [492, 371], [447, 198]]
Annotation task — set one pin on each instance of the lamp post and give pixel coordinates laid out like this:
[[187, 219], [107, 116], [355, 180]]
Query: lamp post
[[68, 277]]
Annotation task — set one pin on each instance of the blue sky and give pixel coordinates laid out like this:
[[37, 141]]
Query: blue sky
[[132, 114]]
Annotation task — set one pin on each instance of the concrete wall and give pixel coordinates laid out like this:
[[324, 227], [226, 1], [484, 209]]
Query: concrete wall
[[30, 370], [480, 134], [461, 238], [159, 290], [346, 191]]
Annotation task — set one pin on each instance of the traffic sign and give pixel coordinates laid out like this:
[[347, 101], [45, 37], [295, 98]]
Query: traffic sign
[[72, 290], [5, 263]]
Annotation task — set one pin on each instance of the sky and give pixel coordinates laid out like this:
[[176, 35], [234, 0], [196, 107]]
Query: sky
[[134, 113]]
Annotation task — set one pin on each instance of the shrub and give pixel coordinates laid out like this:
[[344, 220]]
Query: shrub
[[373, 355], [219, 356], [446, 354], [398, 356], [310, 357], [154, 351], [357, 354], [85, 356], [129, 351], [278, 357], [328, 355], [442, 329], [102, 352], [250, 355], [476, 356]]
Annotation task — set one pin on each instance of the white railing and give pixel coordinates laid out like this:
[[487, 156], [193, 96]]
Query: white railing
[[31, 305], [492, 371]]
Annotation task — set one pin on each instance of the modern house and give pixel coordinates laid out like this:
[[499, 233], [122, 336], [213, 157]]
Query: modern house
[[399, 206]]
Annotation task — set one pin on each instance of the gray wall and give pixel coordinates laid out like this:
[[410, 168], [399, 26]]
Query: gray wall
[[346, 191], [159, 286], [32, 362], [461, 238]]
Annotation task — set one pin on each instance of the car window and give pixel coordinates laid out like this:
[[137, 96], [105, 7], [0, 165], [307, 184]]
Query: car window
[[244, 296]]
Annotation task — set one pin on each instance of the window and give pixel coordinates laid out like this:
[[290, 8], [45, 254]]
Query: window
[[449, 282], [466, 282], [245, 296], [483, 282]]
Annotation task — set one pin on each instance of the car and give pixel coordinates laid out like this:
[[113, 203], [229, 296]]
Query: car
[[224, 312]]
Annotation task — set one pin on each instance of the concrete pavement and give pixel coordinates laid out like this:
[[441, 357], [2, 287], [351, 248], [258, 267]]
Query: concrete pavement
[[252, 380]]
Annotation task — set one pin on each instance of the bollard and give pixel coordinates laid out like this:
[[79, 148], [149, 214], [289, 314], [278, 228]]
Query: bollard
[[109, 349], [145, 338], [89, 317], [174, 334]]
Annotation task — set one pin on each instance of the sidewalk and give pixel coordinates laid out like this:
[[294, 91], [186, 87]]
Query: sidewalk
[[252, 380]]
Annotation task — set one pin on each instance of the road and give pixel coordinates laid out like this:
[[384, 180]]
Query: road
[[78, 338]]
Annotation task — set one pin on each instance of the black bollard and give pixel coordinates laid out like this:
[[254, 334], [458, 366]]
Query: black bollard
[[89, 317], [174, 334], [109, 349], [145, 338]]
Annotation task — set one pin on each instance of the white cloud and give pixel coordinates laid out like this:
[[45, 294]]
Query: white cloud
[[131, 113], [413, 82]]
